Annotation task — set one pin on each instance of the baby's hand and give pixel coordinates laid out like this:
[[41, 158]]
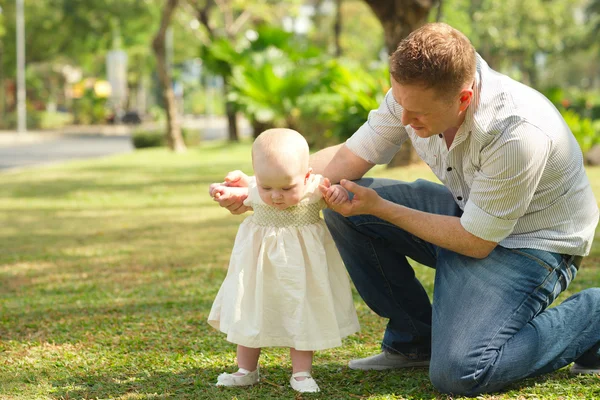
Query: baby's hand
[[219, 191], [333, 194], [336, 195]]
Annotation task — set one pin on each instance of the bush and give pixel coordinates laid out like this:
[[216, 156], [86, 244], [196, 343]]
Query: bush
[[54, 120], [90, 109], [583, 129], [38, 120], [145, 139]]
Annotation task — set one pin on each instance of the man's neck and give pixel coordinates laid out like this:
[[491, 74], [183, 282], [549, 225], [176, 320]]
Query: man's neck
[[449, 135]]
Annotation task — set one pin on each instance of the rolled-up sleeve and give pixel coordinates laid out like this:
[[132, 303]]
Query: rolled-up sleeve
[[380, 138], [502, 190]]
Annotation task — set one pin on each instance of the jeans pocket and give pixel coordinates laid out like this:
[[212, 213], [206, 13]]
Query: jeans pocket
[[554, 281]]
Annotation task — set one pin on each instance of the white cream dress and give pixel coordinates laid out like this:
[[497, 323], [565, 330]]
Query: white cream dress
[[286, 285]]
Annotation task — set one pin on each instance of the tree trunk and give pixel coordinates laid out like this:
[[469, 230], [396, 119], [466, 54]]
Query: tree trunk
[[2, 85], [259, 127], [174, 137], [337, 28], [231, 111], [399, 18]]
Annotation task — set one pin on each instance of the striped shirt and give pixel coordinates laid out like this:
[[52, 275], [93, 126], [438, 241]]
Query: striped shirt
[[514, 167]]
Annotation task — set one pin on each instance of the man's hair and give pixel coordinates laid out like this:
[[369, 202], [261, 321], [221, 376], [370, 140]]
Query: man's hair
[[435, 56]]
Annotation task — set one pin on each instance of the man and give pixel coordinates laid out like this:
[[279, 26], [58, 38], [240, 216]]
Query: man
[[506, 231]]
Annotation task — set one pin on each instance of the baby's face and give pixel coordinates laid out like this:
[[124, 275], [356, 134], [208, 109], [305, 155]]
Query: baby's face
[[279, 189]]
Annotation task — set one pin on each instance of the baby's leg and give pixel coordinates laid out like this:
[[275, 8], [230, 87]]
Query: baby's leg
[[247, 374], [301, 379], [301, 361], [247, 358]]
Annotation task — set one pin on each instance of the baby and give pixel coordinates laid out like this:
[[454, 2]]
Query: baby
[[286, 285]]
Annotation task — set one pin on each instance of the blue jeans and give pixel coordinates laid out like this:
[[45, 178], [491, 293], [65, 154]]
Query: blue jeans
[[489, 324]]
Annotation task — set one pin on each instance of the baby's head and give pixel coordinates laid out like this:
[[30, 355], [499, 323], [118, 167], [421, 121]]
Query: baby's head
[[280, 162]]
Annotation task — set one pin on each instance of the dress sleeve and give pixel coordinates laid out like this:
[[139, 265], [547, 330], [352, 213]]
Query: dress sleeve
[[252, 192], [312, 193]]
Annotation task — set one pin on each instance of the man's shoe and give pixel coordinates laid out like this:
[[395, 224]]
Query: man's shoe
[[386, 360], [588, 363], [577, 369]]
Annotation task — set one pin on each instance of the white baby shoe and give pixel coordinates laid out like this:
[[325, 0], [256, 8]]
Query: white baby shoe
[[248, 378], [308, 385]]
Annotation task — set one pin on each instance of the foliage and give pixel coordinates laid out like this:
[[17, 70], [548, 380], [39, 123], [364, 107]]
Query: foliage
[[356, 19], [280, 81], [350, 93], [54, 119], [36, 119], [79, 31], [581, 111], [270, 74], [582, 129], [514, 36], [144, 139], [108, 268], [89, 108]]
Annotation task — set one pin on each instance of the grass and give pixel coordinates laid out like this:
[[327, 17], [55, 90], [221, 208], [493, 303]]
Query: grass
[[108, 269]]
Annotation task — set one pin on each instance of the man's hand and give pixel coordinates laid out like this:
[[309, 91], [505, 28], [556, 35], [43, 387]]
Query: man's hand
[[231, 193], [365, 200]]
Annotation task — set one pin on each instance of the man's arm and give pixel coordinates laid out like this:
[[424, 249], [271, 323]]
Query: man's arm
[[440, 230], [338, 162]]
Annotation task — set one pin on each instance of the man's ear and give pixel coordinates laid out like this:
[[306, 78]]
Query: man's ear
[[465, 98]]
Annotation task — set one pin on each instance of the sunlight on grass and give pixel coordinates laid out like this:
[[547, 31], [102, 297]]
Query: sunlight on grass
[[108, 269]]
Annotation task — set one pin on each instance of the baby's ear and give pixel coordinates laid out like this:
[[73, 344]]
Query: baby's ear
[[308, 174]]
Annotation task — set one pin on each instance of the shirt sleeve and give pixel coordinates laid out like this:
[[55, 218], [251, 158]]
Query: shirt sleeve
[[380, 138], [511, 168]]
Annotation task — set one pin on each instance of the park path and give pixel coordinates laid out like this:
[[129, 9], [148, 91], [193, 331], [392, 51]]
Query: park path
[[50, 147]]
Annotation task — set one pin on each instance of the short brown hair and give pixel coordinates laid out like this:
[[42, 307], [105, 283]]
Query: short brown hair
[[436, 56]]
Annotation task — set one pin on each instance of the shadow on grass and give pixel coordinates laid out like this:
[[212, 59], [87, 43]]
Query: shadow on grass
[[60, 188], [335, 379], [336, 382]]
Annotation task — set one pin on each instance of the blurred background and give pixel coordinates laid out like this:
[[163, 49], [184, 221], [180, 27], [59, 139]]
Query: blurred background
[[173, 70]]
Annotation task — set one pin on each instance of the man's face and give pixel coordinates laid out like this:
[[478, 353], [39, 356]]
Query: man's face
[[425, 111]]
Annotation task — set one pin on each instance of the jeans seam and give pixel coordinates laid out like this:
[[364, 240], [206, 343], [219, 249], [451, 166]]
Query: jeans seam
[[390, 225], [534, 258], [477, 380], [387, 284]]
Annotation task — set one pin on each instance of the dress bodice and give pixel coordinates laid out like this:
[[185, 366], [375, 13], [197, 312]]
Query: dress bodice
[[298, 215]]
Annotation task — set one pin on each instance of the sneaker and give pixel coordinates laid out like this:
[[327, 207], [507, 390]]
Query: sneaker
[[578, 369], [246, 378], [308, 385], [588, 363], [386, 360]]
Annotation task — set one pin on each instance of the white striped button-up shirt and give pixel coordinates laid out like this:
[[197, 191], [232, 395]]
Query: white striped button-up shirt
[[514, 167]]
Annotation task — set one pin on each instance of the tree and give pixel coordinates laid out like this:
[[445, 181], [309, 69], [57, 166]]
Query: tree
[[228, 20], [174, 137], [399, 18]]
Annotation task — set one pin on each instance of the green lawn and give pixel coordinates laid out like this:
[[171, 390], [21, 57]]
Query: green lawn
[[108, 269]]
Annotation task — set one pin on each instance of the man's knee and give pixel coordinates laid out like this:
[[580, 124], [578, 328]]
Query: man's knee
[[452, 375]]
